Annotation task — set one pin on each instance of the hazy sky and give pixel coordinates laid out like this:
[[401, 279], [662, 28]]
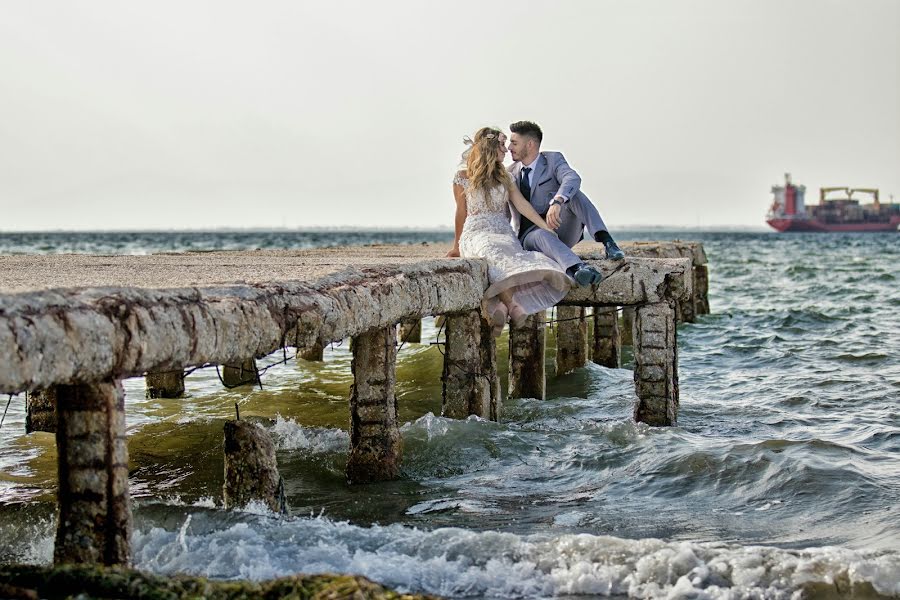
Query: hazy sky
[[193, 114]]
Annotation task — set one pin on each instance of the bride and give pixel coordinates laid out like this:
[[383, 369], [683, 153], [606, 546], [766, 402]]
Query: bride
[[521, 283]]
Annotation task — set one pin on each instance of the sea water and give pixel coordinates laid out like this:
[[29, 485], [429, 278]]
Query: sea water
[[781, 480]]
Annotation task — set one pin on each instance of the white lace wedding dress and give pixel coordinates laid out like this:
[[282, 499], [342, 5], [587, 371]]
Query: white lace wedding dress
[[535, 280]]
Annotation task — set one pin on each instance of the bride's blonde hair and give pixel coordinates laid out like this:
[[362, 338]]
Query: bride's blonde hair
[[483, 168]]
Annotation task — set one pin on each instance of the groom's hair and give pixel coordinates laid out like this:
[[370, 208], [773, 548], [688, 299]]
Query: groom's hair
[[528, 128]]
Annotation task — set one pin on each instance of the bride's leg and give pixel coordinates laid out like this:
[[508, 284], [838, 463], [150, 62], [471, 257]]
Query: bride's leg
[[497, 309], [517, 314]]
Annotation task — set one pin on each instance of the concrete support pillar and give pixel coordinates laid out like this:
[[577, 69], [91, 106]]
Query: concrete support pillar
[[687, 310], [527, 378], [234, 376], [627, 328], [606, 349], [375, 445], [470, 382], [314, 353], [251, 469], [165, 384], [411, 331], [656, 364], [489, 368], [40, 410], [701, 289], [94, 524], [571, 339]]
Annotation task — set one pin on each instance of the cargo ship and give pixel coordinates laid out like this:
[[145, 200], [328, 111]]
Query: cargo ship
[[789, 211]]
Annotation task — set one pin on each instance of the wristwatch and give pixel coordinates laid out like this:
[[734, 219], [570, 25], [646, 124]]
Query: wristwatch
[[559, 201]]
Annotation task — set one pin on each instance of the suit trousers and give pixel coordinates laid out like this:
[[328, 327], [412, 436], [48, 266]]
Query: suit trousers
[[576, 214]]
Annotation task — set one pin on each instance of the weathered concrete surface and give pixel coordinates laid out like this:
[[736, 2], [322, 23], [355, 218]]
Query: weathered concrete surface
[[40, 410], [656, 364], [81, 581], [689, 306], [167, 384], [68, 335], [251, 468], [243, 373], [606, 345], [470, 382], [314, 353], [410, 331], [627, 325], [701, 289], [375, 444], [635, 281], [666, 249], [94, 521], [571, 339], [527, 374]]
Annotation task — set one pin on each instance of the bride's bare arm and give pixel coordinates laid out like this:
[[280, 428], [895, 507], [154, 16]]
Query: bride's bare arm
[[525, 209], [459, 220]]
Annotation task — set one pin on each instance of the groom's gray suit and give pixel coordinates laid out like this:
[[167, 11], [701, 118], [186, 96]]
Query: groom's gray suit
[[554, 177]]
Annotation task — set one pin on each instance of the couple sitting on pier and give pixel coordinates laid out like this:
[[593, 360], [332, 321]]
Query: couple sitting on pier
[[530, 262]]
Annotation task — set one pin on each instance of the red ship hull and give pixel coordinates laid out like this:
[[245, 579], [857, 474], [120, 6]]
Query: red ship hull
[[816, 225]]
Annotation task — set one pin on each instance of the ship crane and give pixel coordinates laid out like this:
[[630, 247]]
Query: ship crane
[[827, 190], [848, 191], [872, 191]]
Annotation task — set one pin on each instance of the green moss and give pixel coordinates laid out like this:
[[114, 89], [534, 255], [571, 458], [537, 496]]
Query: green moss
[[90, 581]]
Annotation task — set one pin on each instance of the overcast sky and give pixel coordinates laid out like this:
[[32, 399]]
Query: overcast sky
[[185, 114]]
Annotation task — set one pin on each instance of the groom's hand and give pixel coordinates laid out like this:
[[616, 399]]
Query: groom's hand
[[553, 219]]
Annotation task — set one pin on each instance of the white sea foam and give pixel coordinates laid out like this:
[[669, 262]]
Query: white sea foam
[[290, 435], [436, 427], [464, 563]]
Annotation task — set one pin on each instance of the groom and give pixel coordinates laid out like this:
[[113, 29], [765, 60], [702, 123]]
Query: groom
[[552, 187]]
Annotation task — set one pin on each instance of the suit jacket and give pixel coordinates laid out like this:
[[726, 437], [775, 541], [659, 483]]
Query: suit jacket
[[552, 176]]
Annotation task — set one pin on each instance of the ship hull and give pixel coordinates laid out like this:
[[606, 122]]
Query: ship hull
[[789, 225]]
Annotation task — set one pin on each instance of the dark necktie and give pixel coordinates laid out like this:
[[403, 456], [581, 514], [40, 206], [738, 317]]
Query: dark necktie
[[525, 187]]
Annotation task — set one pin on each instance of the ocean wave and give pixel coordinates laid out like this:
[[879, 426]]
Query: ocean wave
[[461, 563]]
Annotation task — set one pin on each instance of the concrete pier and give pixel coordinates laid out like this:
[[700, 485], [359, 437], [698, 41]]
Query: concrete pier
[[696, 303], [571, 339], [251, 468], [40, 410], [701, 287], [243, 374], [410, 331], [165, 384], [606, 343], [627, 328], [470, 382], [375, 445], [527, 376], [78, 323], [653, 288], [313, 353], [94, 520]]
